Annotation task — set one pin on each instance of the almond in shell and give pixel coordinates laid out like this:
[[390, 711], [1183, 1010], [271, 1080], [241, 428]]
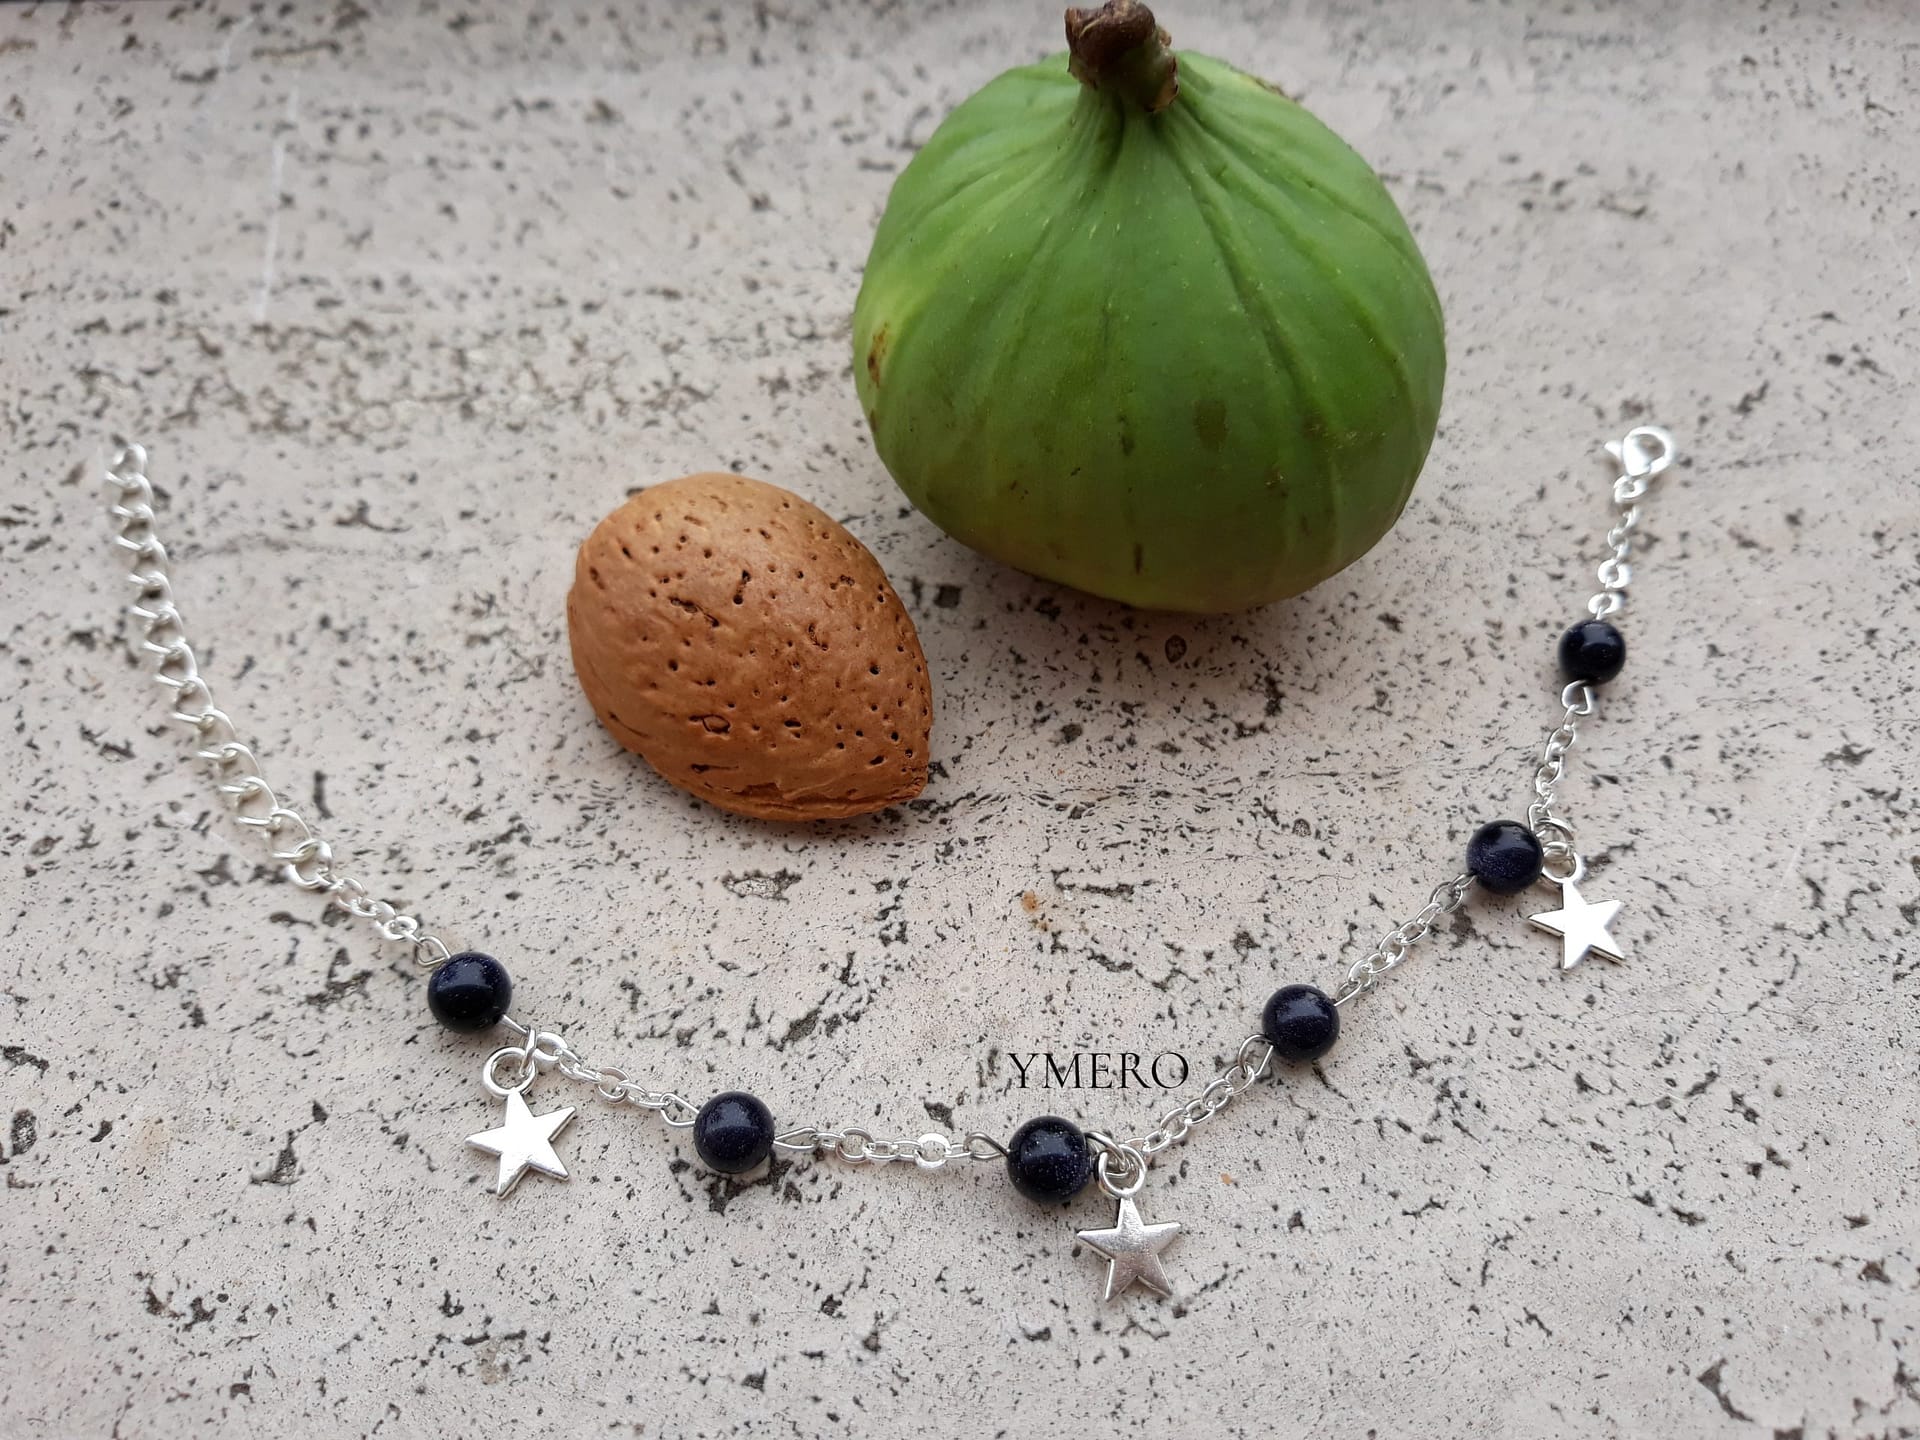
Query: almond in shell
[[751, 650]]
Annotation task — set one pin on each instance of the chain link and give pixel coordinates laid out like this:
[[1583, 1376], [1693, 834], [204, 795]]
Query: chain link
[[306, 860]]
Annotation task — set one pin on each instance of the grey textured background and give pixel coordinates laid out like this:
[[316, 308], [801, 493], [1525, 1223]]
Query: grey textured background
[[404, 298]]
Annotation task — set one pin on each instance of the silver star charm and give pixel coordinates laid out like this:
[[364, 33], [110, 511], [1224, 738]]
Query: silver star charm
[[1582, 926], [523, 1142], [1133, 1250]]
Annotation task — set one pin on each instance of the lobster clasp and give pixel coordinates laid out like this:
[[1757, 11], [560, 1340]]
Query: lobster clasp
[[1644, 453]]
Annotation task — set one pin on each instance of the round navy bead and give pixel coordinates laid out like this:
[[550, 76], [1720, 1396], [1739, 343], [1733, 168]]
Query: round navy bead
[[733, 1132], [1301, 1023], [1504, 856], [470, 991], [1049, 1160], [1592, 651]]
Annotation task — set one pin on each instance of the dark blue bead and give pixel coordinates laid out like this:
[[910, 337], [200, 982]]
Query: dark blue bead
[[1592, 651], [1049, 1160], [1301, 1023], [733, 1132], [1504, 856], [469, 992]]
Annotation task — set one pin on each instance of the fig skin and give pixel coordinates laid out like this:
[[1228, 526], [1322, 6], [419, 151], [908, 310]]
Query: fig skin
[[1189, 359], [751, 649]]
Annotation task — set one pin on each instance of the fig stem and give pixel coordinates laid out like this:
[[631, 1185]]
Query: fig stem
[[1121, 50]]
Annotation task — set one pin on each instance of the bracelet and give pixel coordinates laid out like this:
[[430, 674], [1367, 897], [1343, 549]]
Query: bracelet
[[1048, 1159]]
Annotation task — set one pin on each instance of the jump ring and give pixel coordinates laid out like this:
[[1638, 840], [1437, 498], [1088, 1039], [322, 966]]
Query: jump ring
[[544, 1047], [1136, 1164], [1577, 869], [522, 1056], [1560, 841]]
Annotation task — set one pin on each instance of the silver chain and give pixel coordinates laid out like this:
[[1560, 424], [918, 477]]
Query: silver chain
[[1644, 453], [308, 860], [1553, 832], [860, 1147], [1391, 951], [1219, 1092], [543, 1049]]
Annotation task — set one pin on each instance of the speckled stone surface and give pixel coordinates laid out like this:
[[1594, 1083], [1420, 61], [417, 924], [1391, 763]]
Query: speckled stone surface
[[404, 298]]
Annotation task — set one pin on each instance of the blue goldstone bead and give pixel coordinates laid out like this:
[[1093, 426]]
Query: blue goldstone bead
[[733, 1132], [1049, 1160], [1504, 856], [470, 991], [1592, 651], [1301, 1023]]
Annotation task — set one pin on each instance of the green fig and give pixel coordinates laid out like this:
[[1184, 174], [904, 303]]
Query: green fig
[[1136, 322]]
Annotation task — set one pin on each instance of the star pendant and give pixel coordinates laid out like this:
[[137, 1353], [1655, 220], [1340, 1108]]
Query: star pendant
[[1133, 1250], [1582, 926], [524, 1141]]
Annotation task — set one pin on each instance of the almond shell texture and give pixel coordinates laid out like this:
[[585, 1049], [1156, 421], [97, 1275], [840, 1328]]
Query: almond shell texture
[[751, 650]]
